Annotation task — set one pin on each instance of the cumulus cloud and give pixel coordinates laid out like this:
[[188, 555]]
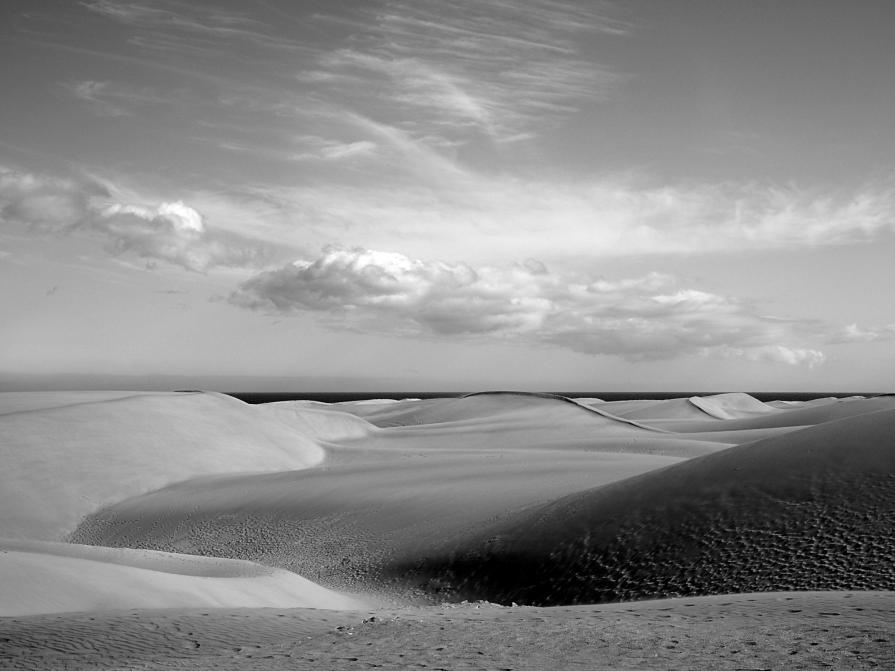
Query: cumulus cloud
[[46, 202], [647, 317], [171, 232]]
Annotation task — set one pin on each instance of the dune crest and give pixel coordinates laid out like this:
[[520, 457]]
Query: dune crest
[[808, 510], [731, 406]]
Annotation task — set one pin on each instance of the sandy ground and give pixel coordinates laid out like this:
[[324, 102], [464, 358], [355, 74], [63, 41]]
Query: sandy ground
[[841, 630], [190, 530]]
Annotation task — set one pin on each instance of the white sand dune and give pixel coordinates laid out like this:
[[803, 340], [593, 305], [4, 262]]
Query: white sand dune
[[539, 421], [814, 402], [673, 408], [65, 460], [41, 577], [471, 407], [798, 416], [500, 496], [391, 496], [42, 400], [811, 509], [731, 406], [344, 525], [321, 421]]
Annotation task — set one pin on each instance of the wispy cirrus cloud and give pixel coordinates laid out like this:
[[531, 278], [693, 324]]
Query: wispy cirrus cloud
[[113, 99], [191, 19], [503, 70], [421, 80], [648, 317], [170, 232]]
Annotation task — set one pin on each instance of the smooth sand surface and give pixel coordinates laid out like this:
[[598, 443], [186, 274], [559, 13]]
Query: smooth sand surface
[[62, 460], [40, 577], [185, 501]]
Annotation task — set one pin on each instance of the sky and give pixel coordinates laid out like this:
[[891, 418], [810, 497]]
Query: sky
[[421, 195]]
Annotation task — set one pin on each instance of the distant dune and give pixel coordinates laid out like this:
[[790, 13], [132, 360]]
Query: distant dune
[[395, 512]]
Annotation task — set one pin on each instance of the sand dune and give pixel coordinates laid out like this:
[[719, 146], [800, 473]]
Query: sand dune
[[673, 408], [731, 406], [394, 495], [531, 498], [65, 461], [809, 510], [519, 420], [41, 577], [480, 405], [798, 416]]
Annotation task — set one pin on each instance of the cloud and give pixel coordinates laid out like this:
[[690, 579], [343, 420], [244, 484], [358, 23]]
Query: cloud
[[46, 202], [502, 69], [110, 99], [175, 233], [191, 20], [647, 317], [511, 218], [853, 333], [171, 232], [777, 354], [320, 149]]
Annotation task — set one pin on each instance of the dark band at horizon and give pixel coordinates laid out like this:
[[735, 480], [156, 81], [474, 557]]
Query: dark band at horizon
[[339, 397]]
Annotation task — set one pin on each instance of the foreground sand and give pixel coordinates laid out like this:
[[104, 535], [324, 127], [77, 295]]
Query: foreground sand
[[803, 630], [169, 503]]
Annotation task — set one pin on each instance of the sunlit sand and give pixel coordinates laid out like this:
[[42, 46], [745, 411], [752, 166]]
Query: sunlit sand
[[496, 530]]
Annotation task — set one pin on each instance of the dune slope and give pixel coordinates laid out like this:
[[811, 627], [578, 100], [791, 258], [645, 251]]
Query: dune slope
[[41, 577], [812, 509], [391, 496], [65, 456]]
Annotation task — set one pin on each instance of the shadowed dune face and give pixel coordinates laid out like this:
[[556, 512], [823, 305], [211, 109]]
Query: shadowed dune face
[[809, 510]]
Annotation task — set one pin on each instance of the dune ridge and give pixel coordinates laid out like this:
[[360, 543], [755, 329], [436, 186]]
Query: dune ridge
[[808, 510], [473, 406]]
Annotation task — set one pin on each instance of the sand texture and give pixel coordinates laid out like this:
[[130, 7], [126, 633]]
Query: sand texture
[[191, 530], [801, 631]]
